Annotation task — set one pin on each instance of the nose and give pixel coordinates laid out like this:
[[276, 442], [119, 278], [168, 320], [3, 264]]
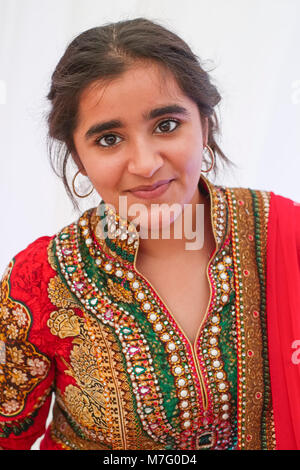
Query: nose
[[144, 159]]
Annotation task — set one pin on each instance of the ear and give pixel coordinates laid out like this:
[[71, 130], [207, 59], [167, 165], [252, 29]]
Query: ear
[[205, 126], [83, 172], [77, 160]]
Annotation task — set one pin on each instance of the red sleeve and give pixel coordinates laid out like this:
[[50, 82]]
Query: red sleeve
[[26, 365], [283, 320], [297, 223]]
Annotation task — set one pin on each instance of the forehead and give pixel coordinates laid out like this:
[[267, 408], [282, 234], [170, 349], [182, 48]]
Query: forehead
[[141, 86]]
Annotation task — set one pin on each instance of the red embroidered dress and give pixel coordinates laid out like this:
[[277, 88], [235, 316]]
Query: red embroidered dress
[[78, 320]]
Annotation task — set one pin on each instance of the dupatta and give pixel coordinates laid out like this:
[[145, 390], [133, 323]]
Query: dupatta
[[283, 318]]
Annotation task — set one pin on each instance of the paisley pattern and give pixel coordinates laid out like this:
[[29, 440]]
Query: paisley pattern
[[22, 367]]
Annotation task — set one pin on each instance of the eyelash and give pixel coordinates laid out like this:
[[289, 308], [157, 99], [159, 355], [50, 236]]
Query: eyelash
[[97, 141]]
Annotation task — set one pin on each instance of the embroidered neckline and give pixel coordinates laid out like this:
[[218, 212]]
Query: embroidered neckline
[[119, 237]]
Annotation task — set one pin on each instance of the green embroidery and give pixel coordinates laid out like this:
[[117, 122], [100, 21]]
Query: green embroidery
[[227, 345], [157, 352], [261, 274], [17, 427]]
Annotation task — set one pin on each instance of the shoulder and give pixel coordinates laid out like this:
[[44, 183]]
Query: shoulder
[[35, 251], [272, 203], [248, 203], [279, 213], [285, 217], [37, 261], [38, 255], [29, 275], [244, 192], [31, 257], [24, 274]]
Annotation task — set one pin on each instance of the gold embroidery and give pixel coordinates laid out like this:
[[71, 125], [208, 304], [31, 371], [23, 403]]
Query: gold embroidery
[[64, 323], [22, 366], [88, 402], [79, 405], [119, 292], [51, 257], [134, 436], [59, 294], [250, 333], [62, 432]]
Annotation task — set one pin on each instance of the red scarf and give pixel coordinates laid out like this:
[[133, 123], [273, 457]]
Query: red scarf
[[283, 318]]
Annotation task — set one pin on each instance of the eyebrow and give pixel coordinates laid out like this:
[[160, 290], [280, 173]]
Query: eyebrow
[[154, 113]]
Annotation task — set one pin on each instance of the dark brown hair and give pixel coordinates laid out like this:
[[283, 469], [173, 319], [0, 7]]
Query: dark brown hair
[[105, 53]]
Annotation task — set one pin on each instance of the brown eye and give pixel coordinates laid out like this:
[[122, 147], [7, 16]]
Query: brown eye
[[108, 140], [168, 125]]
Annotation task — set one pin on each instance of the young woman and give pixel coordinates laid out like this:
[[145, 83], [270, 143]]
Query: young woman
[[151, 341]]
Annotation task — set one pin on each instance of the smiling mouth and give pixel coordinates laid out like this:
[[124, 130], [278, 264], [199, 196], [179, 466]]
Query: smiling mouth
[[152, 193], [151, 187]]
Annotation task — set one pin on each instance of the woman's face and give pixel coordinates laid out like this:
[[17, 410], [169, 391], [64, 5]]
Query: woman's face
[[136, 130]]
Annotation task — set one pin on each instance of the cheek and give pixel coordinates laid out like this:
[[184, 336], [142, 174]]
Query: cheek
[[102, 172], [189, 155], [105, 181]]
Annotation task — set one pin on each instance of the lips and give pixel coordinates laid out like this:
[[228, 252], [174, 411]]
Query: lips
[[160, 188], [150, 188]]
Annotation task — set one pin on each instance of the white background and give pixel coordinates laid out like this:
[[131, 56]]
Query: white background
[[251, 46]]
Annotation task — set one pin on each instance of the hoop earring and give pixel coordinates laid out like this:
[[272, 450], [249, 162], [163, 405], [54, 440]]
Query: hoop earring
[[73, 184], [212, 159]]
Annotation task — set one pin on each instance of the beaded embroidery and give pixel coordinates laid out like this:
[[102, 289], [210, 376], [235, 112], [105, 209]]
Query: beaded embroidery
[[183, 398], [249, 214]]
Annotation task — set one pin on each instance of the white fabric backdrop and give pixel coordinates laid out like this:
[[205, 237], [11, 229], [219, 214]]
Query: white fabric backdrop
[[251, 45]]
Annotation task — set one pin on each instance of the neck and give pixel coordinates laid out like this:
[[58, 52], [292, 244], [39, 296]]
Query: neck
[[186, 237]]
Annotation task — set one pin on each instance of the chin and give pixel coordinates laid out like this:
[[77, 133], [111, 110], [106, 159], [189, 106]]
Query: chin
[[156, 222]]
